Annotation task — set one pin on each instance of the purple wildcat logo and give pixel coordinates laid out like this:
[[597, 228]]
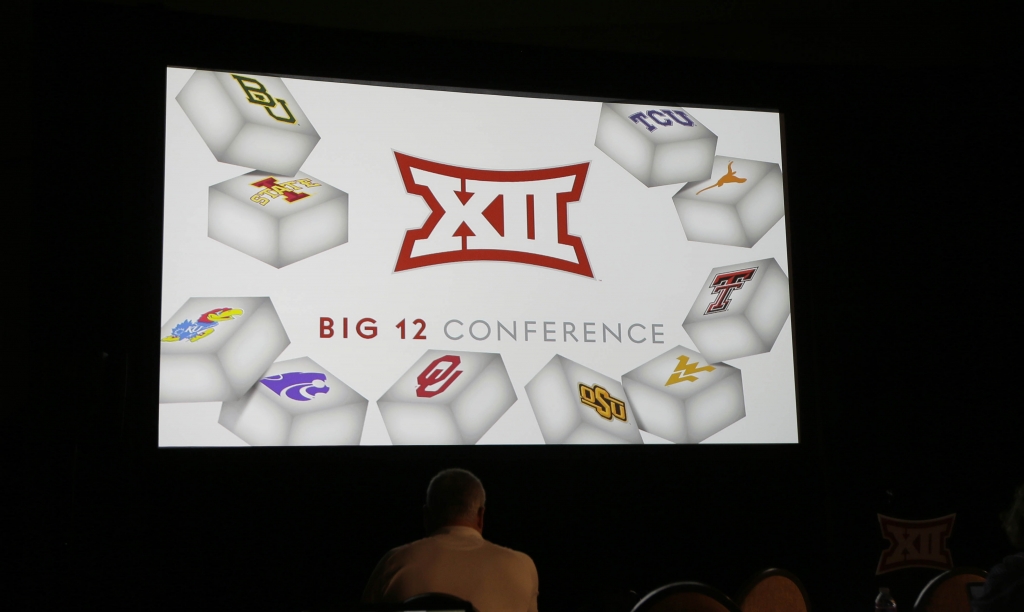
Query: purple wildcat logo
[[299, 386]]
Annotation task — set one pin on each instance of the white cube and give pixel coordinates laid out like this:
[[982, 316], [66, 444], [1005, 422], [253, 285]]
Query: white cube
[[279, 220], [740, 310], [576, 405], [681, 397], [447, 397], [248, 120], [737, 206], [297, 403], [215, 349], [657, 145]]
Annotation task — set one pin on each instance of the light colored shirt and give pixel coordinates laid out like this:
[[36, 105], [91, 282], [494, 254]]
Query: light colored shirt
[[458, 561]]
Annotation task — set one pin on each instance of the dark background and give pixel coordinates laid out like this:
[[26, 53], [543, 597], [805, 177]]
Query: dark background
[[902, 165]]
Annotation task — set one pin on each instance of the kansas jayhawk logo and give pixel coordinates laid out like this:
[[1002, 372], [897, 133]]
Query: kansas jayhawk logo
[[203, 326]]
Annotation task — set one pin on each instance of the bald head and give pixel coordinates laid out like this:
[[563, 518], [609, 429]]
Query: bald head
[[454, 497]]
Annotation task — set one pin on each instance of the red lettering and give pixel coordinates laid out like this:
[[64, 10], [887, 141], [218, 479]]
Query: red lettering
[[366, 331], [326, 327]]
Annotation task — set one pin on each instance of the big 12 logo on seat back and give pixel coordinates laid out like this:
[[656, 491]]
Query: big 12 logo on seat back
[[493, 215]]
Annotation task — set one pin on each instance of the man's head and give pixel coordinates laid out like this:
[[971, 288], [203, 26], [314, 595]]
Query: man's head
[[454, 497]]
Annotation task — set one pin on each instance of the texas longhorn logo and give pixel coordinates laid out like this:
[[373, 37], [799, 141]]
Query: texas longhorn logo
[[438, 376], [724, 284], [730, 176], [257, 94], [493, 215], [598, 398], [685, 371], [203, 326]]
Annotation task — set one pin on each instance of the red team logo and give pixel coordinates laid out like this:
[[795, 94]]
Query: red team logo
[[724, 284], [438, 376], [493, 215]]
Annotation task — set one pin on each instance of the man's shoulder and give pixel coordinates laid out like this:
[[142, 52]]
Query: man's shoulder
[[430, 544], [510, 553]]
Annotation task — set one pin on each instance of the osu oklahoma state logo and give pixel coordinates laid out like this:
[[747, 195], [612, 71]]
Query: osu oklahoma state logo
[[493, 215]]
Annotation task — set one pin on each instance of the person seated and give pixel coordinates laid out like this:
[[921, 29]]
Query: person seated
[[454, 558], [1004, 587]]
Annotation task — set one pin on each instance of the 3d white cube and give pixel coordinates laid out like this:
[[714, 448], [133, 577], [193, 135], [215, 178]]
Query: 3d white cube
[[215, 349], [657, 145], [681, 397], [576, 405], [740, 310], [297, 403], [249, 120], [737, 206], [277, 219], [447, 397]]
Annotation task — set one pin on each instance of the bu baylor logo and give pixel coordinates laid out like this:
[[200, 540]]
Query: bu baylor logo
[[493, 215]]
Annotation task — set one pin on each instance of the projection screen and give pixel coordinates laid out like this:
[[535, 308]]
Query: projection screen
[[365, 264]]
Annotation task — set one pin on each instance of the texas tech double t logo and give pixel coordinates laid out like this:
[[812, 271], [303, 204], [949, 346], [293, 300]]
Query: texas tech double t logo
[[493, 215], [723, 285]]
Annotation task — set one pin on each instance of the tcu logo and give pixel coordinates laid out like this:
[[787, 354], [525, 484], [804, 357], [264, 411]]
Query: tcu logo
[[685, 371], [257, 94], [915, 543], [493, 215], [438, 376], [598, 398], [664, 117], [724, 284]]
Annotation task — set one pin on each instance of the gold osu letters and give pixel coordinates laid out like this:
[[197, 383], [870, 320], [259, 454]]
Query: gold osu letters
[[598, 398]]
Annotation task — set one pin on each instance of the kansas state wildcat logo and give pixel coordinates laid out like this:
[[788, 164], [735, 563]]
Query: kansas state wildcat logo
[[298, 386]]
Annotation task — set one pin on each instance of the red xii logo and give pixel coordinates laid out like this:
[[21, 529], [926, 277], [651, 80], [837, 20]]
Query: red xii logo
[[915, 543], [493, 215]]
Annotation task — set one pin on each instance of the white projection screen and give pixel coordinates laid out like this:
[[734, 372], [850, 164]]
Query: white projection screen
[[357, 264]]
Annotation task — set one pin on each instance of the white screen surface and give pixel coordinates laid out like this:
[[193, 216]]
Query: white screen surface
[[574, 275]]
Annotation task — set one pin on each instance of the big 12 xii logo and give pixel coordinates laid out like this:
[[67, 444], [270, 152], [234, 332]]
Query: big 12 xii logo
[[493, 215]]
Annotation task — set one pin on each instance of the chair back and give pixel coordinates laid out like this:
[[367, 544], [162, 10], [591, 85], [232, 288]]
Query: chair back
[[774, 590], [686, 597], [947, 592]]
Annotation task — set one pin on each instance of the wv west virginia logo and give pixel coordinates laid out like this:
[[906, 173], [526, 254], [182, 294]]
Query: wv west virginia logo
[[298, 386], [203, 326], [686, 371]]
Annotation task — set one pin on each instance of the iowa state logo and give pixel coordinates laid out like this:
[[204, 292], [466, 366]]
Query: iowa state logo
[[493, 215]]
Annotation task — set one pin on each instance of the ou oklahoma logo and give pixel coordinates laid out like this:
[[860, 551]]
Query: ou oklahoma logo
[[438, 376], [493, 215]]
